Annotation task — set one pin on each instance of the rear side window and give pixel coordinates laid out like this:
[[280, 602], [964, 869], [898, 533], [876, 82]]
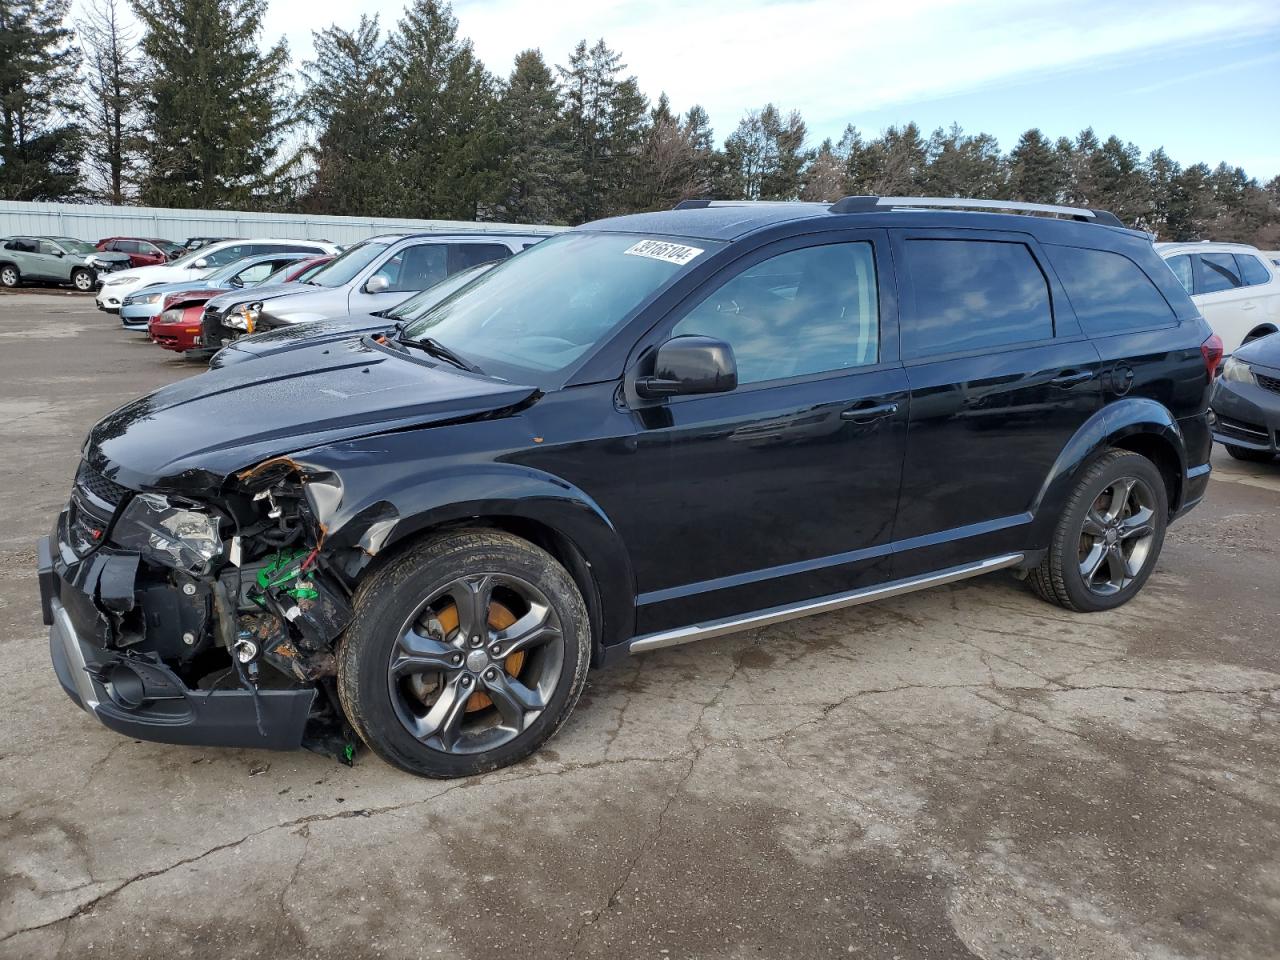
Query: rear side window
[[1110, 293], [1218, 271], [469, 254], [416, 268], [973, 294], [1181, 267], [1252, 270]]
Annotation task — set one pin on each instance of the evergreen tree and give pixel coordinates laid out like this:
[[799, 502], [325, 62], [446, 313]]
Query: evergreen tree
[[824, 177], [39, 138], [1035, 170], [963, 166], [668, 167], [782, 180], [347, 99], [1161, 174], [1119, 183], [113, 82], [1191, 206], [1077, 161], [216, 105], [708, 162], [606, 117], [901, 158], [540, 174], [445, 119]]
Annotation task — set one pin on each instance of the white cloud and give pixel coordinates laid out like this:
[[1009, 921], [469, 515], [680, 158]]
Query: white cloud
[[830, 58]]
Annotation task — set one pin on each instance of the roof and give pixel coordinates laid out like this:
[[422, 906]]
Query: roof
[[730, 220]]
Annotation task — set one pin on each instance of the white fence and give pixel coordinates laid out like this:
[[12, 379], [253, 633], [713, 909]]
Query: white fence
[[92, 222]]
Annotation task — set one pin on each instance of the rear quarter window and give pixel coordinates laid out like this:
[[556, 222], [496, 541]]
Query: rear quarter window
[[1252, 270], [973, 295], [1110, 293]]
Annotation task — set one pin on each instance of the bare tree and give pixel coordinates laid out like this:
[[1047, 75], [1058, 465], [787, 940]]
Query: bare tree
[[113, 80]]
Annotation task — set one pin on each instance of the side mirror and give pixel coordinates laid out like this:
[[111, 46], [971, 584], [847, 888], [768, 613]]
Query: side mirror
[[377, 284], [690, 365], [201, 263], [236, 282], [59, 254]]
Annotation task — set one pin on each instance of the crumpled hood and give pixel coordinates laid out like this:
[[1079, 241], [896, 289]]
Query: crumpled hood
[[225, 301], [190, 435], [104, 256]]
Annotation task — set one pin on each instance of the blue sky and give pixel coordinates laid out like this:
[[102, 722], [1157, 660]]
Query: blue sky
[[1200, 78]]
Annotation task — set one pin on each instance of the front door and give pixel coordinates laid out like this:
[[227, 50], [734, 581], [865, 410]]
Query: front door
[[1001, 379], [783, 489]]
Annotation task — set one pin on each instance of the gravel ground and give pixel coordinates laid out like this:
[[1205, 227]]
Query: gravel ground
[[966, 772]]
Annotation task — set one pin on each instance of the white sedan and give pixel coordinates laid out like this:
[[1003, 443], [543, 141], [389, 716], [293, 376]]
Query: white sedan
[[1236, 287], [197, 265]]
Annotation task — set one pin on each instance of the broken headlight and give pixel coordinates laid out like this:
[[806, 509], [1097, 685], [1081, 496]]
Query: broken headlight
[[244, 318], [182, 537]]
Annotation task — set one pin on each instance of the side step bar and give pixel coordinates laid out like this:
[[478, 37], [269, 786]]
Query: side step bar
[[837, 601]]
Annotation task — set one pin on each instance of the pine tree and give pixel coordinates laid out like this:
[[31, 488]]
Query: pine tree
[[113, 82], [216, 105], [539, 174], [445, 119], [1077, 161], [1119, 182], [1036, 174], [1161, 174], [606, 117], [960, 165], [782, 181], [347, 99], [824, 176], [39, 138], [902, 160]]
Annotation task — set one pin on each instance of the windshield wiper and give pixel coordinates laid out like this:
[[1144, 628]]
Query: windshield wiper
[[438, 349]]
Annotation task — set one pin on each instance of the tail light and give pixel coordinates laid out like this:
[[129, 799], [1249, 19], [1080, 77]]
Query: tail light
[[1211, 350]]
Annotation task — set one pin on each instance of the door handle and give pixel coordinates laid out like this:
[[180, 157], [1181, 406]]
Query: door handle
[[1251, 305], [858, 414], [1069, 378]]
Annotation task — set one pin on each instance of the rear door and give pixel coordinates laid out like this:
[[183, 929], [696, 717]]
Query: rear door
[[1001, 377], [1227, 302], [22, 251]]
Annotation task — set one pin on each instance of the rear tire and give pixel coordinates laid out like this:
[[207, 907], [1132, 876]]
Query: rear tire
[[1248, 455], [1108, 539], [9, 276], [466, 653], [82, 280]]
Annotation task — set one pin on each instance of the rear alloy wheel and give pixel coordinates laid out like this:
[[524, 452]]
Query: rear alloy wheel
[[1248, 455], [1107, 541], [466, 654], [82, 280], [9, 276]]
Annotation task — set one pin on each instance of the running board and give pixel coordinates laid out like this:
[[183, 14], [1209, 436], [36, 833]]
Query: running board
[[838, 601]]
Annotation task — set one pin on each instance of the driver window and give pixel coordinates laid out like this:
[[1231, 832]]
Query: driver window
[[49, 249], [416, 268], [259, 271], [806, 311]]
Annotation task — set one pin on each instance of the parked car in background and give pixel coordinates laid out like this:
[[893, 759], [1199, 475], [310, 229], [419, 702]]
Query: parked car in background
[[172, 326], [29, 259], [1246, 401], [561, 465], [297, 335], [382, 271], [1236, 287], [197, 265], [137, 309], [195, 243], [142, 252]]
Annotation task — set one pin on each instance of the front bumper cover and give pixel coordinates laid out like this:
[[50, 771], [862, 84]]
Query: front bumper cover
[[1246, 414], [137, 695]]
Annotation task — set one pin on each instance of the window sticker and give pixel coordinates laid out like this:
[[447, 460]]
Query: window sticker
[[676, 253]]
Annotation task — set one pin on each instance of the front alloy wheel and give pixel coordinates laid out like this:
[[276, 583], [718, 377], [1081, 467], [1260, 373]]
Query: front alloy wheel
[[466, 653], [82, 280]]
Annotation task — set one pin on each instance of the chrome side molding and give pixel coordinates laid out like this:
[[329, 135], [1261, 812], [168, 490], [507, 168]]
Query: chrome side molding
[[838, 601]]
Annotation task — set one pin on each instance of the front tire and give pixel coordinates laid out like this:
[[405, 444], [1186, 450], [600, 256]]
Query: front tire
[[9, 276], [1109, 536], [82, 280], [1247, 455], [466, 653]]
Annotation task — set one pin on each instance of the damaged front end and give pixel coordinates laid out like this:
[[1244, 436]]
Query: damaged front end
[[210, 622]]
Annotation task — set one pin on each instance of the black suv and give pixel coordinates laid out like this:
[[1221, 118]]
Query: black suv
[[641, 432]]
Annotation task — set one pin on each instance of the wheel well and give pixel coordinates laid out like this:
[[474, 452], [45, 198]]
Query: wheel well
[[539, 534], [1264, 330], [1160, 452]]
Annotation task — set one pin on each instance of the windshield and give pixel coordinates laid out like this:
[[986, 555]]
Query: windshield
[[420, 303], [543, 310], [78, 247], [343, 269]]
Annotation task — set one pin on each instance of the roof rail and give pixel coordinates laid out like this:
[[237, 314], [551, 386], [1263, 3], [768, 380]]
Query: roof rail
[[703, 204], [872, 204]]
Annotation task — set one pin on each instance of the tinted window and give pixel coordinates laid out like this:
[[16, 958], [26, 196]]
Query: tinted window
[[22, 246], [973, 294], [416, 268], [1218, 271], [1181, 267], [220, 258], [1252, 270], [1109, 292], [131, 246], [802, 312], [469, 254]]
